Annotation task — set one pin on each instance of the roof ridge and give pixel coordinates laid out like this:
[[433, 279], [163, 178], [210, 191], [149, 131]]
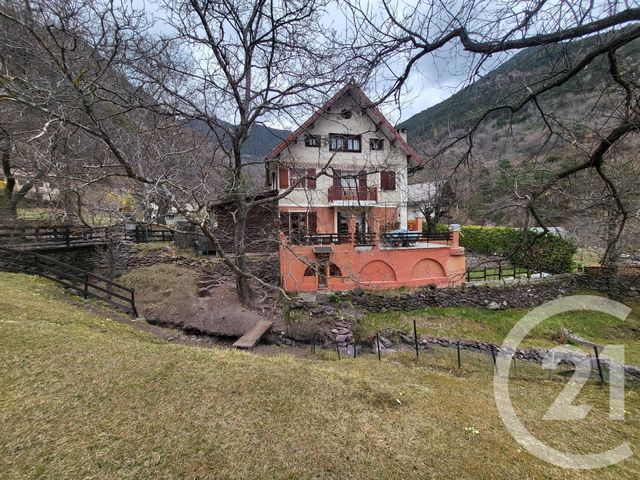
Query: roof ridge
[[367, 105]]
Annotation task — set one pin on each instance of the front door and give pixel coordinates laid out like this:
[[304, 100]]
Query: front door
[[323, 263]]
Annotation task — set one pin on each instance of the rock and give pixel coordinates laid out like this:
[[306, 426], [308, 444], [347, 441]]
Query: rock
[[344, 338], [493, 306], [385, 341]]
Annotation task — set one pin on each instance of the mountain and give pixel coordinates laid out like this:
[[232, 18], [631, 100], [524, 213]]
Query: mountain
[[260, 142], [509, 83], [516, 154]]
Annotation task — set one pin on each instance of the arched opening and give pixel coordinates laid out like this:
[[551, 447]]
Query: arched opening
[[377, 271]]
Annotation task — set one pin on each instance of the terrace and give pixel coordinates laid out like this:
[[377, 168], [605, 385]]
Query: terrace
[[389, 240]]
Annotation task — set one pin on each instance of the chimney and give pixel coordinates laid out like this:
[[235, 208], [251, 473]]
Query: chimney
[[403, 133]]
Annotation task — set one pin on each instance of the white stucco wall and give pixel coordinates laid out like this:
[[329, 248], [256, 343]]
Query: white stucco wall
[[390, 158]]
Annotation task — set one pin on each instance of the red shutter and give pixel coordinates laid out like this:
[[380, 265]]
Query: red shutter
[[362, 179], [311, 181], [384, 181], [284, 177], [336, 177], [313, 222], [387, 180], [391, 181]]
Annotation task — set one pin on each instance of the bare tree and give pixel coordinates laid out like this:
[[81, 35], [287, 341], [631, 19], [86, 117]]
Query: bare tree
[[137, 94], [576, 35]]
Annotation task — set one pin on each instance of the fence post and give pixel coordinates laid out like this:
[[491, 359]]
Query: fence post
[[499, 271], [415, 338], [133, 303], [86, 286], [338, 350], [313, 344], [595, 349], [485, 274], [378, 345], [458, 348], [354, 349], [66, 236], [493, 355]]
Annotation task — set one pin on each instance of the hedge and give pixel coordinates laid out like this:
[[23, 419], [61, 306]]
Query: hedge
[[541, 252]]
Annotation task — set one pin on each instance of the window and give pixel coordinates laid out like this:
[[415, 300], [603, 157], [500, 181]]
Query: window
[[348, 179], [376, 143], [298, 224], [310, 271], [345, 143], [388, 180], [312, 141], [334, 270], [346, 113], [303, 177]]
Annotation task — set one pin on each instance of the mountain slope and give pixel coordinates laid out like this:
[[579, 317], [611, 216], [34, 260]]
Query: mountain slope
[[261, 140], [509, 83]]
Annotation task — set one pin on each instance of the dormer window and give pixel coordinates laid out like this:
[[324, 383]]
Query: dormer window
[[376, 143], [345, 143], [312, 141]]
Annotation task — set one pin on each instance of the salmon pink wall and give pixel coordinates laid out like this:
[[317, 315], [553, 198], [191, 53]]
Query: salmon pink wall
[[367, 267]]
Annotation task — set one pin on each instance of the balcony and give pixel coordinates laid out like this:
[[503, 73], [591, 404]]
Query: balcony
[[353, 195]]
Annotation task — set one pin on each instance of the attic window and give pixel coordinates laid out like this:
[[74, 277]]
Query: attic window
[[346, 113], [312, 141], [376, 143], [344, 143]]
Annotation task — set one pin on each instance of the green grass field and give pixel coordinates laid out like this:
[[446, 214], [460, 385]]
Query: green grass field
[[84, 396]]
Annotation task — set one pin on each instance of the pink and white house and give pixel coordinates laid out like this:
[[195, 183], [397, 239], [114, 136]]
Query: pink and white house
[[344, 225]]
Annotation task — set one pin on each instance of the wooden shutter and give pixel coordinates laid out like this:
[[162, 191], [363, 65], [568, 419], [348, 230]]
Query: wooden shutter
[[313, 222], [362, 179], [391, 180], [284, 177], [336, 177], [388, 180], [311, 181]]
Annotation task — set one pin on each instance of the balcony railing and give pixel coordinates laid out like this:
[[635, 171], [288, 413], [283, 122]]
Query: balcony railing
[[391, 239], [360, 194], [332, 238], [405, 239]]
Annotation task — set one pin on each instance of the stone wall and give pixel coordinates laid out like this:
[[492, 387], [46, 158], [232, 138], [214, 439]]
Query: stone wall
[[522, 295], [594, 278]]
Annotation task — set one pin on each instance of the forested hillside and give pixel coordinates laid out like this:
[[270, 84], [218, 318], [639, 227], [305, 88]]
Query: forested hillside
[[495, 171]]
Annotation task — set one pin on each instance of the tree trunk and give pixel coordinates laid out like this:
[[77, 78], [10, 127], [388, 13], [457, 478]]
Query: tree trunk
[[242, 283], [612, 259]]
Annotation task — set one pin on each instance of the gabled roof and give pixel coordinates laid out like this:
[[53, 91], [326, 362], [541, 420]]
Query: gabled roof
[[371, 110]]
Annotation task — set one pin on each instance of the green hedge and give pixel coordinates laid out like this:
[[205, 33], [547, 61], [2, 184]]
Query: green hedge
[[548, 253]]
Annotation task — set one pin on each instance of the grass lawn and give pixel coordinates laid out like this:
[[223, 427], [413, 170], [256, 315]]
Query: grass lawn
[[84, 396], [493, 326]]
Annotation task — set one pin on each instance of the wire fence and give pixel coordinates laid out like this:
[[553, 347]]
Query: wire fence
[[483, 358]]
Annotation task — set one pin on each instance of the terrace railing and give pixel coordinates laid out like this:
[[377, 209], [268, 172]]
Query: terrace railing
[[360, 194], [406, 239]]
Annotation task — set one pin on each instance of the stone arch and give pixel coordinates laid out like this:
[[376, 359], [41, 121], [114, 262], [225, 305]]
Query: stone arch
[[377, 271], [427, 268]]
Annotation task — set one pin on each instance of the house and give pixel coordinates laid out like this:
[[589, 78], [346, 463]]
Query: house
[[344, 223], [419, 195]]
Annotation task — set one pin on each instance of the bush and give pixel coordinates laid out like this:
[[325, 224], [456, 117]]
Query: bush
[[539, 252]]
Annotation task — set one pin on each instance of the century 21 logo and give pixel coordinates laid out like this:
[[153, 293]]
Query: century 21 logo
[[563, 407]]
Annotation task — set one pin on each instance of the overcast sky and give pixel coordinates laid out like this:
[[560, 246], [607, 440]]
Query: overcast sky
[[434, 79]]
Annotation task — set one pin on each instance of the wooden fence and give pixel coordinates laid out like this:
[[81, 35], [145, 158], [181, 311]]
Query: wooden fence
[[78, 281], [498, 273]]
